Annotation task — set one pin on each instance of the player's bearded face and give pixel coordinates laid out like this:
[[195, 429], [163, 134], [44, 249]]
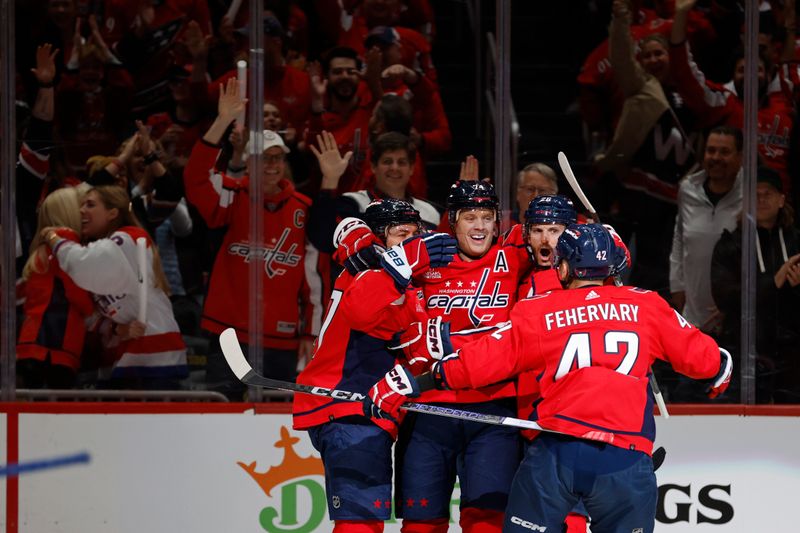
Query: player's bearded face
[[543, 239], [475, 230], [399, 233]]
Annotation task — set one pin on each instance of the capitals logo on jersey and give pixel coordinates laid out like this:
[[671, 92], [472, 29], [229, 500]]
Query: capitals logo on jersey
[[476, 295], [274, 256]]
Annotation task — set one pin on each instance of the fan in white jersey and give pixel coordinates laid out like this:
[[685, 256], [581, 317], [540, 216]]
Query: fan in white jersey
[[146, 355]]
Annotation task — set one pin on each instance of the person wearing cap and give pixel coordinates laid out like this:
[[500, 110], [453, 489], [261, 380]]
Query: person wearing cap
[[288, 329], [287, 86], [777, 263], [430, 127], [414, 48]]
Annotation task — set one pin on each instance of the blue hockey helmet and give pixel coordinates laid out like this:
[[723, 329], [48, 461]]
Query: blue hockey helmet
[[471, 194], [547, 209], [551, 209], [589, 250], [383, 213]]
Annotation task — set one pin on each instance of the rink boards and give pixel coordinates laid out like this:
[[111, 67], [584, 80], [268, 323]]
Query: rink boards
[[233, 467]]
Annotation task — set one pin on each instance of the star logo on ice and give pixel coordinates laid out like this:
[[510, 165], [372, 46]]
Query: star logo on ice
[[592, 295]]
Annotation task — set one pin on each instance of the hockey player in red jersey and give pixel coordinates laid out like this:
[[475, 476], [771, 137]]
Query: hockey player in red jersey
[[546, 218], [473, 293], [365, 311], [593, 345]]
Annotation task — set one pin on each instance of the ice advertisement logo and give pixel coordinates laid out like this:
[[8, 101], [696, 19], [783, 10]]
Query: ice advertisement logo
[[291, 477]]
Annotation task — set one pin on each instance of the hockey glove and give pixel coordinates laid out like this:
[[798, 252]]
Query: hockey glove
[[416, 255], [357, 248], [622, 258], [424, 342], [368, 258], [387, 395], [723, 377]]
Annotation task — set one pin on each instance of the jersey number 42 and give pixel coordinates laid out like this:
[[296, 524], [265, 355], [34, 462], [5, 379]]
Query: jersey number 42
[[578, 351]]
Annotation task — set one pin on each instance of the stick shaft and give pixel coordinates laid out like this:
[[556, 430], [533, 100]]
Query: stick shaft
[[256, 380], [15, 469], [576, 187], [235, 358], [141, 259]]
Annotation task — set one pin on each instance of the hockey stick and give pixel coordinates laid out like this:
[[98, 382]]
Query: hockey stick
[[15, 469], [141, 260], [573, 182], [239, 365]]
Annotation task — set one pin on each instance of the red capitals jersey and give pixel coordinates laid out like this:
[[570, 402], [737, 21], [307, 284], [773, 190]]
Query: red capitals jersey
[[351, 132], [592, 348], [363, 314], [715, 105], [55, 310], [472, 295], [287, 283]]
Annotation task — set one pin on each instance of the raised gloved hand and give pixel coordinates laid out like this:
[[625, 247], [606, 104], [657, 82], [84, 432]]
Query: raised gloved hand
[[387, 396], [357, 248], [416, 255], [723, 377], [424, 342]]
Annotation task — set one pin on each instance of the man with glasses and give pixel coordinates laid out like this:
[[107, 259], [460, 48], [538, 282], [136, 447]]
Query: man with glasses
[[534, 180]]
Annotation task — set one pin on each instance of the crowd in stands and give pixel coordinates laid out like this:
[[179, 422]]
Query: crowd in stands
[[133, 130]]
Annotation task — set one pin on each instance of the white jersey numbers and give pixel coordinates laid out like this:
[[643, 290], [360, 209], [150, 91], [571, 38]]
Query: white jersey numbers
[[336, 298], [578, 351], [577, 348]]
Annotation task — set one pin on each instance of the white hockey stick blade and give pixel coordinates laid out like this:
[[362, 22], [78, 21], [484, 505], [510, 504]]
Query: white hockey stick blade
[[239, 365], [233, 353], [563, 162]]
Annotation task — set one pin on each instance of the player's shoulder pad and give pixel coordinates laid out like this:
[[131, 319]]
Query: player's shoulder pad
[[513, 237], [639, 290], [537, 296]]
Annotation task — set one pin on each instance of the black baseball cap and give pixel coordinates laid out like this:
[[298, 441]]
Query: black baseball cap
[[767, 175]]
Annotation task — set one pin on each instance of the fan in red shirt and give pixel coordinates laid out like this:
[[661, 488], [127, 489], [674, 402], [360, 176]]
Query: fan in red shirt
[[714, 105], [288, 330]]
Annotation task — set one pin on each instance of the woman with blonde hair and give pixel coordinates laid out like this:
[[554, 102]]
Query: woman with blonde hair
[[51, 338], [146, 355]]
